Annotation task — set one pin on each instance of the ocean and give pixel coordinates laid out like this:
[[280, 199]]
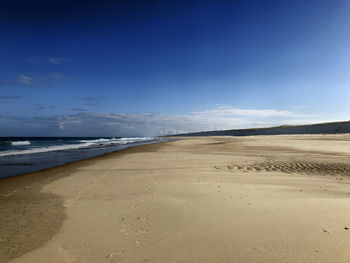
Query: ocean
[[20, 155]]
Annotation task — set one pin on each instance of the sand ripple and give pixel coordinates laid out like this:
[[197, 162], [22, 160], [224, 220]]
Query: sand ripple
[[295, 166]]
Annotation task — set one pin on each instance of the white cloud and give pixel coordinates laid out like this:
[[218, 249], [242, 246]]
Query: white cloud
[[227, 111], [41, 80], [57, 61], [146, 123], [25, 79], [49, 60]]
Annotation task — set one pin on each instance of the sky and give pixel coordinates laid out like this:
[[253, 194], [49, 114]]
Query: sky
[[146, 68]]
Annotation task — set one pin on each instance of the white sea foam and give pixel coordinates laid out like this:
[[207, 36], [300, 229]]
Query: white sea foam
[[18, 143], [117, 140], [81, 145]]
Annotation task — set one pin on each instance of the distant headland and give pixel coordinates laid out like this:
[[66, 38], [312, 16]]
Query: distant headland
[[319, 128]]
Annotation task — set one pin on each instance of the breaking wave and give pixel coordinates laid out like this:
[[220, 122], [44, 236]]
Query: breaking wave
[[19, 143], [80, 144]]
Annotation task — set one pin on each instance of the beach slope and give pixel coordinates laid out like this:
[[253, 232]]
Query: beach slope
[[202, 199]]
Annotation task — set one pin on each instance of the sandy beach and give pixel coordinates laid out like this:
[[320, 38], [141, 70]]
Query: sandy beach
[[203, 199]]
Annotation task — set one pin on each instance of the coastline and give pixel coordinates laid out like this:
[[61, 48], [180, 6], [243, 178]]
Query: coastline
[[203, 199], [25, 226], [19, 164]]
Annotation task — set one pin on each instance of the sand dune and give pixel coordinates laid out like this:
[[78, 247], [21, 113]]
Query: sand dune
[[205, 199], [340, 127]]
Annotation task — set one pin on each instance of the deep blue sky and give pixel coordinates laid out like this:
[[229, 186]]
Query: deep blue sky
[[150, 67]]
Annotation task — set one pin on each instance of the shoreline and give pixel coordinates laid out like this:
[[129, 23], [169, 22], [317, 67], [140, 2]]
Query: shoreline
[[51, 208], [123, 147], [208, 199]]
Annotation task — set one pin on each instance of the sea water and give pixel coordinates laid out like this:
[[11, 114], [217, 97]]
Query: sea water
[[19, 155]]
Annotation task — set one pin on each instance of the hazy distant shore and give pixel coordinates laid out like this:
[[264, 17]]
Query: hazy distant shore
[[341, 127], [202, 199]]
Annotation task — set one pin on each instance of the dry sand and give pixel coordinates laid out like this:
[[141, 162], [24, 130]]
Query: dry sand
[[210, 199]]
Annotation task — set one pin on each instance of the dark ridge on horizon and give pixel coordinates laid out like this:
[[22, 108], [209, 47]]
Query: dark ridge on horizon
[[319, 128]]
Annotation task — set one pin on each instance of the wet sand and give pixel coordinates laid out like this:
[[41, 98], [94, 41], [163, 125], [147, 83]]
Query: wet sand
[[206, 199]]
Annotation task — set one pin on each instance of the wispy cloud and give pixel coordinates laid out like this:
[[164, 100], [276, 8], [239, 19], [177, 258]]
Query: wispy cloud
[[77, 109], [25, 79], [147, 123], [228, 111], [57, 60], [39, 81], [49, 60], [42, 107], [10, 97]]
